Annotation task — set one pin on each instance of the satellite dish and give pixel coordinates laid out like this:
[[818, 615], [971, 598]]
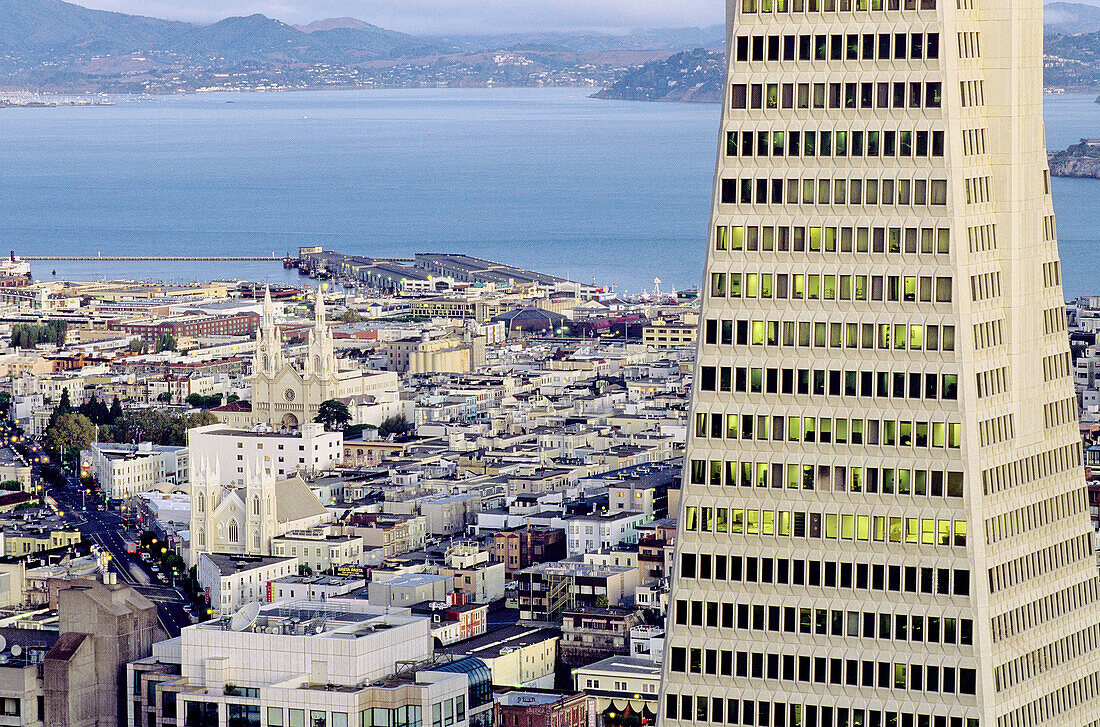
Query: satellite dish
[[3, 643], [16, 650], [245, 617]]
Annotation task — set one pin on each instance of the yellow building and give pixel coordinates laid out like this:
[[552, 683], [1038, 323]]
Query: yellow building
[[23, 541], [669, 335]]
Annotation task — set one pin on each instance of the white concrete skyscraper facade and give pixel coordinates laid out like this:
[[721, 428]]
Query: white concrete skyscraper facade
[[883, 521]]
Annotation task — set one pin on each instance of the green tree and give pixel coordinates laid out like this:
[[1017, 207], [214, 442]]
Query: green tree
[[69, 434], [333, 414], [138, 345], [5, 402], [352, 316], [11, 486], [165, 397], [116, 411], [166, 342], [395, 425]]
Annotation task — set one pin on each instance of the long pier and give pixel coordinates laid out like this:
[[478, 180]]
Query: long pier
[[154, 258]]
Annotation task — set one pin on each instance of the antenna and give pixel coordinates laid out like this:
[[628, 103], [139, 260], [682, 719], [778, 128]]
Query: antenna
[[245, 617]]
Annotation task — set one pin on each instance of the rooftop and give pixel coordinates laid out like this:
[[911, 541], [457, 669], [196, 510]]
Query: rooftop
[[626, 665], [228, 563]]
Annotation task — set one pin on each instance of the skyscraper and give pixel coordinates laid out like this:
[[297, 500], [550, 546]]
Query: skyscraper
[[883, 520]]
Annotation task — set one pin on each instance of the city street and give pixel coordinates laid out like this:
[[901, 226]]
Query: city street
[[105, 528]]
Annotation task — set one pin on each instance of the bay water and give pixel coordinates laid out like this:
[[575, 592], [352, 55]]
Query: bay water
[[548, 179]]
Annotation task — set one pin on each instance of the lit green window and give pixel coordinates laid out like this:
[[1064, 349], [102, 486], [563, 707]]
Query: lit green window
[[895, 530], [737, 521], [928, 532], [943, 528], [752, 522], [721, 520], [831, 526], [847, 527], [737, 237], [722, 238], [960, 533], [912, 530], [767, 524], [691, 514], [863, 528]]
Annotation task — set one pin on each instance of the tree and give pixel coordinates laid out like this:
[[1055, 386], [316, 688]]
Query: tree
[[69, 434], [165, 397], [138, 345], [5, 402], [352, 316], [166, 342], [116, 411], [394, 425], [11, 486], [64, 406], [333, 414]]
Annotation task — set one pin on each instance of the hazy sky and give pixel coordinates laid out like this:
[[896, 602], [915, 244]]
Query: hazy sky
[[443, 16]]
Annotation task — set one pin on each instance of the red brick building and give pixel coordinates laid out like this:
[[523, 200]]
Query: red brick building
[[520, 548], [192, 325], [541, 708]]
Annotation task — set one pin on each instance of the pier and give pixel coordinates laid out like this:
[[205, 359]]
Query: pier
[[155, 258]]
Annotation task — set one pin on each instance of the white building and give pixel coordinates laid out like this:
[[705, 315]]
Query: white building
[[125, 470], [319, 548], [231, 581], [884, 428], [280, 453], [312, 588], [592, 533], [340, 664]]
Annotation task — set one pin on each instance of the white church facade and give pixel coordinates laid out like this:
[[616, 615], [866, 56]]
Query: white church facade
[[286, 396]]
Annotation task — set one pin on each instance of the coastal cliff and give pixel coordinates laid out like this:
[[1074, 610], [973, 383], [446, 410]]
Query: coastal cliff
[[1080, 160]]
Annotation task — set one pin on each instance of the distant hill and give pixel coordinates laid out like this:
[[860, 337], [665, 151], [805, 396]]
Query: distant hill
[[334, 23], [1062, 18], [695, 76], [55, 28]]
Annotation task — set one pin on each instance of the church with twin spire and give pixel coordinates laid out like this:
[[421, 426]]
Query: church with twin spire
[[287, 394]]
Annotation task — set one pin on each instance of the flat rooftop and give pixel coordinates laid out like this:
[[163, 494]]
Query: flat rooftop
[[228, 563], [489, 645]]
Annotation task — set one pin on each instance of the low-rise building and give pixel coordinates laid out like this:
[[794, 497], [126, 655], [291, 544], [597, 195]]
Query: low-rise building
[[407, 589], [238, 453], [519, 548], [625, 689], [668, 335], [311, 588], [474, 576], [591, 634], [517, 656], [319, 549], [343, 664], [547, 590], [231, 581], [538, 708], [592, 533], [124, 471]]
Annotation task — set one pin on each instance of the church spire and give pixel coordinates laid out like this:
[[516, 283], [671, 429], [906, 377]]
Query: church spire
[[269, 308], [319, 309]]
